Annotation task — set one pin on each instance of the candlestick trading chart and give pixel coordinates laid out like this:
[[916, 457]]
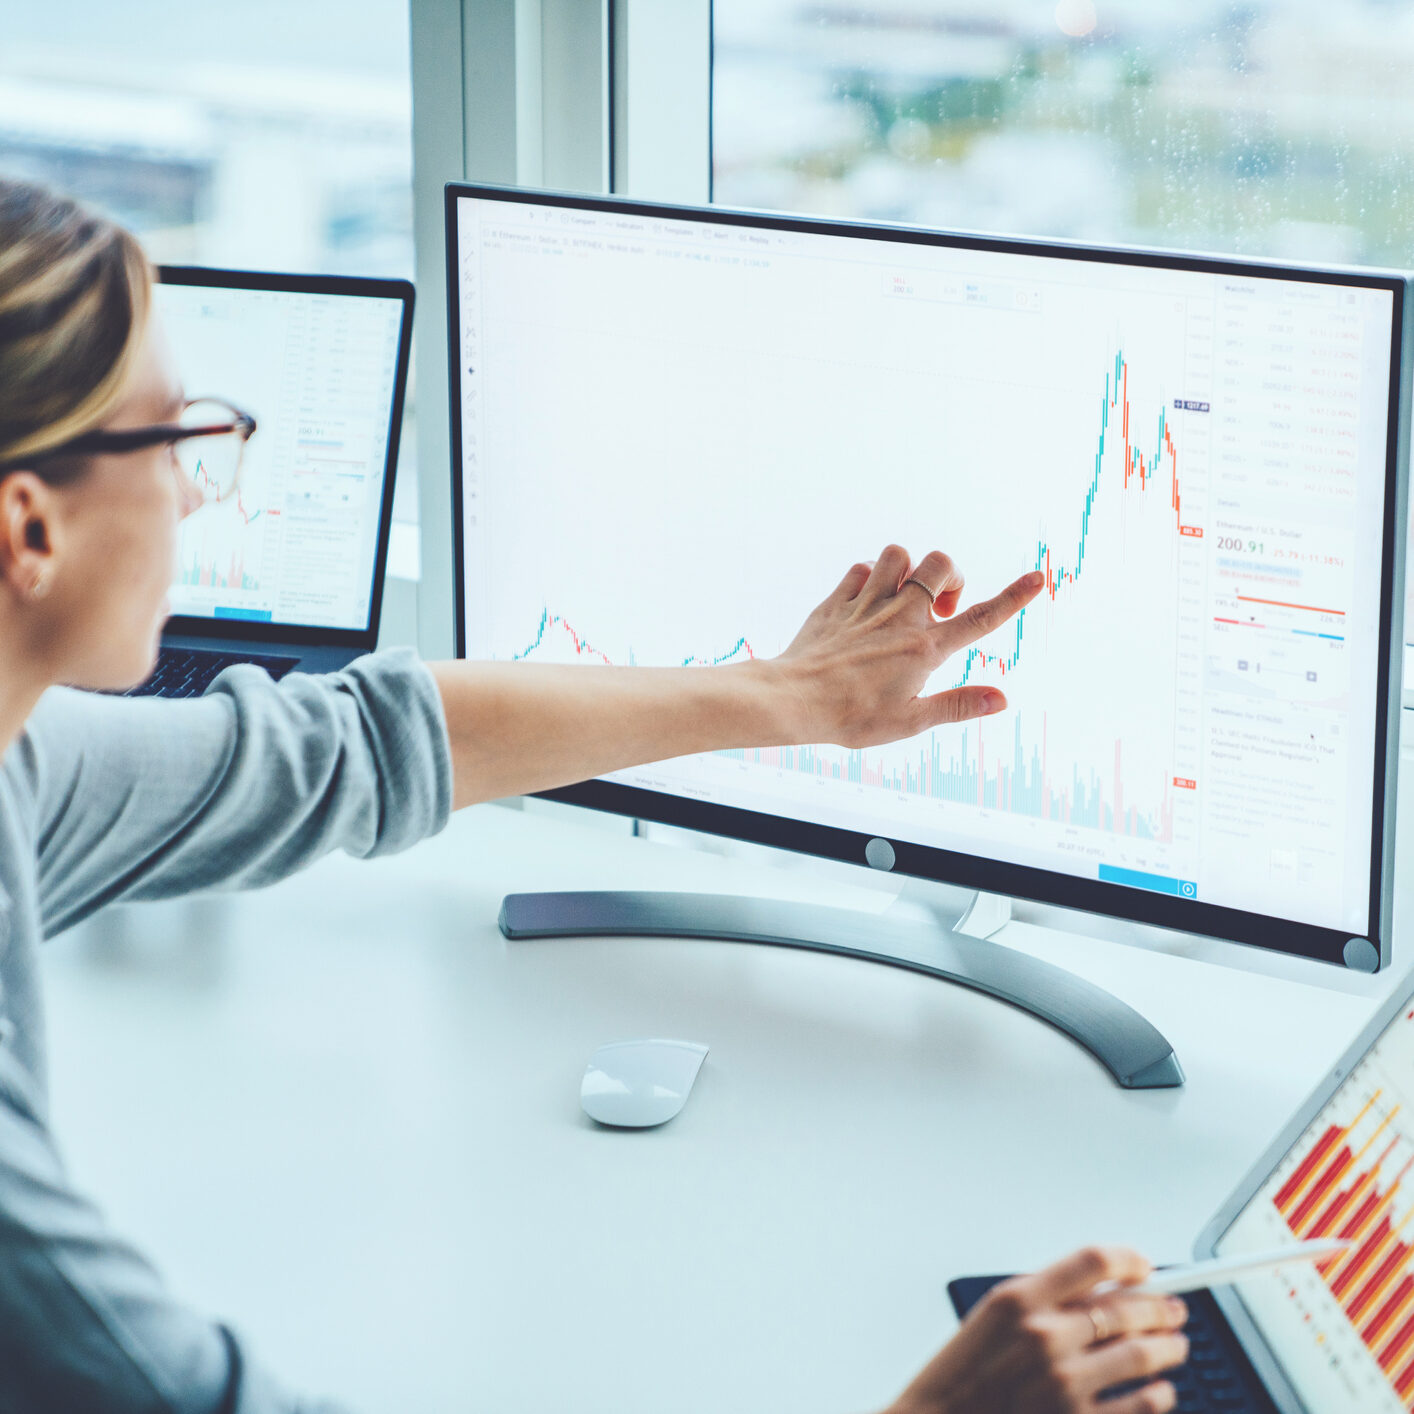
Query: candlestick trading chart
[[676, 436]]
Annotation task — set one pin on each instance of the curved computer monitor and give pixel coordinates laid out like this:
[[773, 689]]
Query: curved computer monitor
[[675, 428]]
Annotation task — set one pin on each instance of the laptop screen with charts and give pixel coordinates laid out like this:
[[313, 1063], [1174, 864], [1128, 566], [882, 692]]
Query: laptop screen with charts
[[290, 568], [1339, 1335]]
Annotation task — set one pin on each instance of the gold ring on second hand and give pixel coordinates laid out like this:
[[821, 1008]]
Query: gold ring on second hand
[[1100, 1322]]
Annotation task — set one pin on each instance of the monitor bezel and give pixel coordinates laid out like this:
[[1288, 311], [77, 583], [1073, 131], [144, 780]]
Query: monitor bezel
[[1244, 1325], [275, 630], [971, 871]]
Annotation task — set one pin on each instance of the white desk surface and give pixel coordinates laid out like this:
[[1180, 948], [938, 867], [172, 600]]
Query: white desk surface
[[343, 1113]]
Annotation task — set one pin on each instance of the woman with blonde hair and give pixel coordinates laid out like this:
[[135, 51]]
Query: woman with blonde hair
[[105, 798]]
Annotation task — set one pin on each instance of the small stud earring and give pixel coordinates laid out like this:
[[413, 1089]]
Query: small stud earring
[[40, 588]]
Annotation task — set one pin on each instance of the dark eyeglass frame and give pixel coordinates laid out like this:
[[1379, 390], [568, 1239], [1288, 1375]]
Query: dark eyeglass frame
[[135, 439]]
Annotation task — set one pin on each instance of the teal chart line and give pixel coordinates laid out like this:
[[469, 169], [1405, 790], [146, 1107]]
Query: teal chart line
[[584, 649], [1006, 776], [1136, 469]]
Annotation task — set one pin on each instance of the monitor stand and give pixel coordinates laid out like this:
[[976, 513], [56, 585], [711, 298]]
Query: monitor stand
[[952, 947]]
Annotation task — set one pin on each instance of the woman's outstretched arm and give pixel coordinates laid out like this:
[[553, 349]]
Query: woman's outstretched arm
[[146, 798], [852, 676]]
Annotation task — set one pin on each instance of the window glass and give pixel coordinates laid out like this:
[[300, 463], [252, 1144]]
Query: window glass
[[264, 135], [1274, 127], [260, 135]]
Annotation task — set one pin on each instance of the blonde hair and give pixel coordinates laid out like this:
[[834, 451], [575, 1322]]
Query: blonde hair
[[75, 292]]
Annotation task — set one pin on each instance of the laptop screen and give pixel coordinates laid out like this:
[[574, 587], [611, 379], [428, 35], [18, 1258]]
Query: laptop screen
[[298, 544], [1344, 1331]]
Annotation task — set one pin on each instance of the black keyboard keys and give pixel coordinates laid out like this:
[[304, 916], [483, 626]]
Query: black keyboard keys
[[188, 672]]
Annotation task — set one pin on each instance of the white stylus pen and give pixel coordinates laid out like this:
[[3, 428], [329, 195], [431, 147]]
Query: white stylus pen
[[1218, 1271]]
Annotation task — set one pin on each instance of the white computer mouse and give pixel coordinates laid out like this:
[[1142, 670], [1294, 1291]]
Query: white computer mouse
[[637, 1084]]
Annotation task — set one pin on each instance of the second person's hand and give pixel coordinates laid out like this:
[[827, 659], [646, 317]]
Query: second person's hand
[[1050, 1343]]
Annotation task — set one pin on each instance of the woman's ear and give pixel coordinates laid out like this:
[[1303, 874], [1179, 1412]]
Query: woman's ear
[[27, 510]]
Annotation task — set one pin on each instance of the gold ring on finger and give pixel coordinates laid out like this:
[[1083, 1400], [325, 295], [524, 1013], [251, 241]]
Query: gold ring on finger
[[1101, 1323]]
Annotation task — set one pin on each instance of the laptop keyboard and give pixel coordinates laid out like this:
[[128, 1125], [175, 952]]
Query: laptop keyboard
[[188, 672], [1218, 1379]]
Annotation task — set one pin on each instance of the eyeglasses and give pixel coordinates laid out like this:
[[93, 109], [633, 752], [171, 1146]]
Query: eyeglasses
[[208, 440]]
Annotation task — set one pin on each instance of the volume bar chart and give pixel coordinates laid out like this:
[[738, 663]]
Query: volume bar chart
[[1352, 1185], [231, 574], [1018, 782]]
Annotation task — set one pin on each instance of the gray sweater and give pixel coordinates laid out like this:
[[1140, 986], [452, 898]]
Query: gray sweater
[[109, 798]]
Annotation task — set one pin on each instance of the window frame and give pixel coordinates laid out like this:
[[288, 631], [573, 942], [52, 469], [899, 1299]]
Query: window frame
[[575, 95]]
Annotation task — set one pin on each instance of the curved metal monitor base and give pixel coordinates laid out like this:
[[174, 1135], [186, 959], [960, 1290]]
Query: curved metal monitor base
[[1135, 1053]]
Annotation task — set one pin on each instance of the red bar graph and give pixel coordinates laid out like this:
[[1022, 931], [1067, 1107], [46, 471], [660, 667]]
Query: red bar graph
[[1347, 1186], [1380, 1322], [1307, 1166], [1313, 1167], [1345, 1273], [1313, 1216], [1347, 1199], [1386, 1272], [1398, 1346]]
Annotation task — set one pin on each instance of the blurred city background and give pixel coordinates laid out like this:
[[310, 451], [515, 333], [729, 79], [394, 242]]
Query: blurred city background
[[263, 134], [1273, 127]]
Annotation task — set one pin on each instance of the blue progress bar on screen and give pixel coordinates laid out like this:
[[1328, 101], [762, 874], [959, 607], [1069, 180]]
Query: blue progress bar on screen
[[224, 611], [1155, 883]]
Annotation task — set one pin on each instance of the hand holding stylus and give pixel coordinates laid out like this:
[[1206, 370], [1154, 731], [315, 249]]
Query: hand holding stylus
[[1222, 1271], [1049, 1343]]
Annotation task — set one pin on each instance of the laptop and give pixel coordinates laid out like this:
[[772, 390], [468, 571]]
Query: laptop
[[1338, 1336], [289, 572]]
